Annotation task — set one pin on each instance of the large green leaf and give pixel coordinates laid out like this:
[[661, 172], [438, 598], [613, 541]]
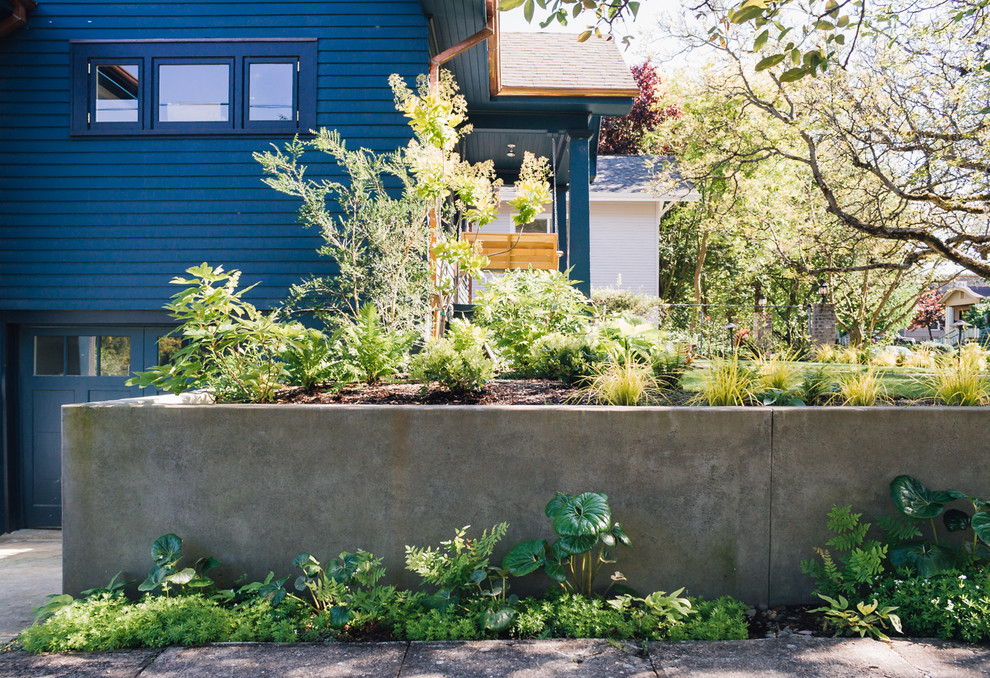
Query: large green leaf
[[554, 504], [585, 514], [572, 546], [980, 522], [529, 556], [339, 616], [925, 559], [555, 571], [914, 499], [620, 535], [166, 549], [498, 620], [955, 520], [154, 580]]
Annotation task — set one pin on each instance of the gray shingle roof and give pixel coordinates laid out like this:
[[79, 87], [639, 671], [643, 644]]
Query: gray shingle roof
[[559, 61], [624, 174]]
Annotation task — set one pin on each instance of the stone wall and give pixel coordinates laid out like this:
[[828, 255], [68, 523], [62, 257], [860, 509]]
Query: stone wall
[[720, 500]]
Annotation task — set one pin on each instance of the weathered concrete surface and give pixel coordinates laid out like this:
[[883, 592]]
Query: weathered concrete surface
[[329, 660], [819, 658], [837, 456], [254, 485], [30, 570], [775, 658], [526, 659], [121, 664], [719, 500]]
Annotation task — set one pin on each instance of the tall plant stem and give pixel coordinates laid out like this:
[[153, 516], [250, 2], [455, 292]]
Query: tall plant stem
[[934, 533]]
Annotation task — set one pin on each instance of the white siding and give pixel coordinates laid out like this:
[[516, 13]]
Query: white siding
[[625, 246]]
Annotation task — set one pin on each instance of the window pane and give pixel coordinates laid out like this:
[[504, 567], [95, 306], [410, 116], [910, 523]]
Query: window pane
[[536, 226], [271, 92], [49, 355], [117, 93], [81, 356], [194, 92], [167, 346], [115, 356]]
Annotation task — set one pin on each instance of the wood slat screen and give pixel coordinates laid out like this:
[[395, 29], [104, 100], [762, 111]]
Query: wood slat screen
[[517, 250]]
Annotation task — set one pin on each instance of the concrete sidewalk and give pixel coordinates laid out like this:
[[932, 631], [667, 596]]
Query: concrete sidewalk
[[773, 658], [30, 570]]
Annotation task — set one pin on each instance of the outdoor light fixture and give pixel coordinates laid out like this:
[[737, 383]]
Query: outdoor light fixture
[[731, 329], [960, 326], [512, 151], [823, 289], [762, 303]]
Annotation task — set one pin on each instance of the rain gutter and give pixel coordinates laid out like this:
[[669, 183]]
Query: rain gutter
[[18, 15]]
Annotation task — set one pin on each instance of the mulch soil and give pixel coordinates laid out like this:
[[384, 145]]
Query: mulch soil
[[495, 392]]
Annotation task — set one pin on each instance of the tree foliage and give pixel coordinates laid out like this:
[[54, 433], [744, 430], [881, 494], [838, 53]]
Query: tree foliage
[[928, 311], [625, 135]]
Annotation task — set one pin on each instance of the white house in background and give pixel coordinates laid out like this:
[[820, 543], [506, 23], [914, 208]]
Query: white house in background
[[628, 197], [957, 300]]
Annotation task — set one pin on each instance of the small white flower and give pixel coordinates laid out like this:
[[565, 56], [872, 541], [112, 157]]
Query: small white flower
[[962, 576]]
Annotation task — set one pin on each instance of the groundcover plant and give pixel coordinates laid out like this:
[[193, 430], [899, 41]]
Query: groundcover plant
[[463, 596]]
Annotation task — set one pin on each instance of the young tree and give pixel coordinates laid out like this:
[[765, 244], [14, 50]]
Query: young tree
[[928, 311], [625, 135]]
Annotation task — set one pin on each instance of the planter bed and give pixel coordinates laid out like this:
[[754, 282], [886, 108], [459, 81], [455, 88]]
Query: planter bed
[[720, 500]]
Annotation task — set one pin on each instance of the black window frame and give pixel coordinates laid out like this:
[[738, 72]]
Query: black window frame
[[148, 55]]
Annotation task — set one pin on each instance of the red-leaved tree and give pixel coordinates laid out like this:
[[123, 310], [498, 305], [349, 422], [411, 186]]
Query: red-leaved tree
[[928, 311], [624, 136]]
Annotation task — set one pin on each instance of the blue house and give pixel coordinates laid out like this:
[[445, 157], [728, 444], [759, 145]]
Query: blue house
[[126, 134]]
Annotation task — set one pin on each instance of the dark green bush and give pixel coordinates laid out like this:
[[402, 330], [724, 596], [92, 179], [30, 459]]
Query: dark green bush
[[948, 605]]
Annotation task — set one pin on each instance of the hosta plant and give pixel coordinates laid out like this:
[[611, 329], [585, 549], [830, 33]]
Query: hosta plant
[[586, 537], [915, 501], [865, 618], [165, 573]]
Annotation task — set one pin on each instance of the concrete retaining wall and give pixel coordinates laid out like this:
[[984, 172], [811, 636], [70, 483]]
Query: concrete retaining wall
[[720, 500]]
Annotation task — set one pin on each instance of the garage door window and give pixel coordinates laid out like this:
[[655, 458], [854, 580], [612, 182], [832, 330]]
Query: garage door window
[[88, 356]]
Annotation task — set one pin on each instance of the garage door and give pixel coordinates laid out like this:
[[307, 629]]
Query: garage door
[[59, 366]]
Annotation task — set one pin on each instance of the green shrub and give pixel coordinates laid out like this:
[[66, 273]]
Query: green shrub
[[720, 619], [457, 371], [368, 352], [311, 361], [521, 306], [570, 359], [228, 344], [613, 302], [111, 622], [948, 605]]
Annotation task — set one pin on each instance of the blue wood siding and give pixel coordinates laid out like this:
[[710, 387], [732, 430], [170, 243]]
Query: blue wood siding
[[105, 223]]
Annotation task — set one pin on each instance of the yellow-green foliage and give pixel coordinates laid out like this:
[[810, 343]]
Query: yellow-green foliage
[[624, 383], [961, 383], [852, 355], [887, 358], [861, 389], [921, 356], [777, 372], [825, 353], [727, 382]]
